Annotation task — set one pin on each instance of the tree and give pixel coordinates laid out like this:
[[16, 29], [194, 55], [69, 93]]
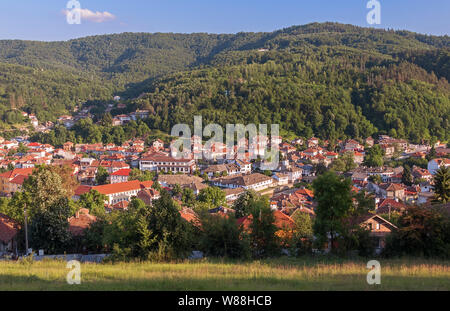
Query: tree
[[157, 186], [303, 225], [212, 195], [422, 231], [176, 191], [94, 201], [442, 185], [407, 176], [374, 157], [101, 178], [432, 154], [364, 204], [344, 163], [69, 181], [263, 240], [242, 206], [49, 228], [137, 174], [173, 234], [188, 197], [22, 148], [320, 169], [303, 232], [222, 237], [333, 195], [375, 179], [42, 189]]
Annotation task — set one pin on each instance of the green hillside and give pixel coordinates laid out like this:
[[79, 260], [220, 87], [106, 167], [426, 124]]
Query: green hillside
[[329, 79]]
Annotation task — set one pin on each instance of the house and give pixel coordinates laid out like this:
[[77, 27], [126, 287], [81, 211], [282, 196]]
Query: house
[[313, 142], [139, 114], [232, 195], [68, 146], [379, 229], [370, 141], [435, 164], [392, 191], [358, 157], [213, 170], [119, 176], [283, 179], [386, 206], [352, 145], [159, 161], [116, 192], [11, 181], [148, 195], [388, 150], [8, 233], [114, 166], [80, 222], [255, 181], [422, 174], [294, 173], [158, 144]]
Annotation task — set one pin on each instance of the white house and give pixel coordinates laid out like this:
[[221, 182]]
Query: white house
[[435, 164]]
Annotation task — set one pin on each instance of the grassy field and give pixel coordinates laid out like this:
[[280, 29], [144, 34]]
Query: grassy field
[[277, 274]]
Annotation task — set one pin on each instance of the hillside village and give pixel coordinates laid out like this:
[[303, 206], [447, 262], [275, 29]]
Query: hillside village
[[391, 188]]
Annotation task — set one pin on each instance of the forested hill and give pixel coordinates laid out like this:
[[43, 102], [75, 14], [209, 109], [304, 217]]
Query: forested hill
[[331, 79]]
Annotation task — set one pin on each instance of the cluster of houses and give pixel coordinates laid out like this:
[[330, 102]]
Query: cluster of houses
[[284, 184]]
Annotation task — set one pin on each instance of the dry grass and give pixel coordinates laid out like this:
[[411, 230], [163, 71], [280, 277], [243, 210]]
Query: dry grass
[[277, 274]]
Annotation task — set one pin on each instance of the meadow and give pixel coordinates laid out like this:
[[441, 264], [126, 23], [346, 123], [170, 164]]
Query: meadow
[[283, 274]]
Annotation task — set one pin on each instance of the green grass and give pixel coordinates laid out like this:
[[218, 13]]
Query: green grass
[[276, 274]]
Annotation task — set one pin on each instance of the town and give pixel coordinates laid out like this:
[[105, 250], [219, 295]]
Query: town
[[392, 174]]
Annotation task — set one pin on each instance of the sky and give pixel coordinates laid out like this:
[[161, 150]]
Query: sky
[[46, 20]]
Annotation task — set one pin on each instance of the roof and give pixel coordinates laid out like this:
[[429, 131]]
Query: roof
[[123, 187], [305, 192], [190, 216], [161, 157], [8, 228], [181, 180], [378, 218], [82, 189], [244, 180], [81, 221], [17, 171], [115, 188], [19, 179], [122, 172]]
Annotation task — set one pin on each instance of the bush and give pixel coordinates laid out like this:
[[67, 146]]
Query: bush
[[422, 232], [222, 237]]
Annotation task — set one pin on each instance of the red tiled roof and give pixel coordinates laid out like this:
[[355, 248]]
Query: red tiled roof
[[19, 179], [305, 192], [81, 221], [123, 187], [82, 190], [122, 172], [17, 171], [190, 216]]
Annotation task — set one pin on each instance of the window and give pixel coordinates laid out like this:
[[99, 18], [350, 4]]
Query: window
[[378, 226]]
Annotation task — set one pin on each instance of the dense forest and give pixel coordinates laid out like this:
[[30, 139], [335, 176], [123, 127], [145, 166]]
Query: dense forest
[[329, 79]]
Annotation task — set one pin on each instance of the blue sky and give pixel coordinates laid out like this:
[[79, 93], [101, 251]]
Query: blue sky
[[45, 20]]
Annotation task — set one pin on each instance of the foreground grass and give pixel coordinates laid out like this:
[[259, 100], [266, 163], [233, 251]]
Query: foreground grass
[[275, 274]]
